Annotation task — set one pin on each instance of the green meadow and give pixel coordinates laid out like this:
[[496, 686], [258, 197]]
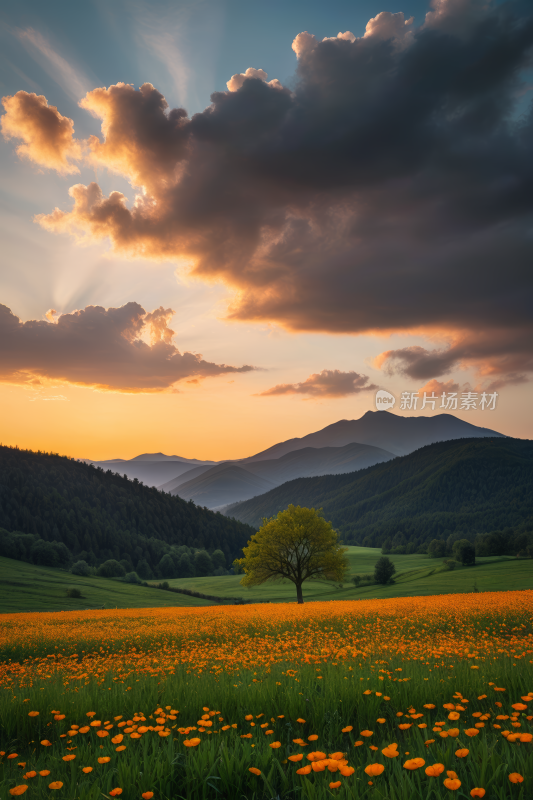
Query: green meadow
[[415, 575], [25, 587]]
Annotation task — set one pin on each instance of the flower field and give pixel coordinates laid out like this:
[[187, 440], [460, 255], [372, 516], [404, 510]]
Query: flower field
[[428, 697]]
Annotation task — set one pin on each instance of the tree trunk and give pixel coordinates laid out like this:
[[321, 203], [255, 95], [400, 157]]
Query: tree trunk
[[299, 594]]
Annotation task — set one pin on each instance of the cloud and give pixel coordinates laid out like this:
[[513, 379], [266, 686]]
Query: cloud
[[328, 383], [102, 348], [439, 387], [48, 136], [501, 356], [389, 191], [236, 81], [71, 80]]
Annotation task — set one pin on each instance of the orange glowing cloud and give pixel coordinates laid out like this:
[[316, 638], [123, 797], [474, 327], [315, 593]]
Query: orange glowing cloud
[[102, 348], [48, 137]]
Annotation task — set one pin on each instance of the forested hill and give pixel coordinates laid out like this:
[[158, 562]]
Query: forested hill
[[464, 485], [100, 515]]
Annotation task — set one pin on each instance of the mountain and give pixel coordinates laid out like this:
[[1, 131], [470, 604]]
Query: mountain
[[465, 486], [97, 515], [151, 472], [222, 484], [299, 464], [398, 435]]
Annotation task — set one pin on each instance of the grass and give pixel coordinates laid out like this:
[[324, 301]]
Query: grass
[[184, 694], [25, 587], [415, 575]]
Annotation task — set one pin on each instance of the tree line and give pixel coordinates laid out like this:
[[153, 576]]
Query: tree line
[[55, 511]]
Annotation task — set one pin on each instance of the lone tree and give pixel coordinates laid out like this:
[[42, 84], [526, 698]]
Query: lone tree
[[299, 545], [464, 551], [384, 570]]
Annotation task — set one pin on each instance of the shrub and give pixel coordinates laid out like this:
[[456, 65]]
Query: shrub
[[73, 592], [132, 577], [81, 568], [356, 579], [450, 563], [111, 569], [465, 552], [384, 570]]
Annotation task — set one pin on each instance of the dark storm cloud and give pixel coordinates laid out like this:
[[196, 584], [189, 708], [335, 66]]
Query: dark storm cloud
[[99, 347], [390, 190]]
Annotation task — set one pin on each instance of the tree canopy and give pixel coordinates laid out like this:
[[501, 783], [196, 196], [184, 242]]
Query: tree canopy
[[297, 545]]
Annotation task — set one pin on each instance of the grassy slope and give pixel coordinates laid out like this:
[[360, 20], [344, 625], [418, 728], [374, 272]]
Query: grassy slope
[[25, 587], [415, 575]]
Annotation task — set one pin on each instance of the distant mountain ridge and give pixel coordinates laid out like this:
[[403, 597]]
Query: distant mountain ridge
[[344, 446], [307, 462], [398, 435], [464, 486]]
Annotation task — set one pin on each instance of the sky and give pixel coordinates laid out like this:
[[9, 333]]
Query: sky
[[226, 224]]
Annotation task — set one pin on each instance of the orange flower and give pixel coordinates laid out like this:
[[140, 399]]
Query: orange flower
[[414, 763], [515, 777], [91, 714], [374, 769], [275, 745], [300, 720], [248, 717], [347, 729], [33, 714], [429, 705], [477, 792], [57, 717], [297, 757], [115, 792], [452, 784], [335, 784], [44, 772], [304, 770], [453, 732], [462, 753], [519, 706], [121, 748], [254, 771], [451, 774], [104, 759], [95, 723], [192, 742], [16, 790], [55, 785], [86, 770], [117, 739], [71, 757], [147, 795], [472, 732], [381, 720], [367, 733], [31, 774], [102, 734], [346, 770], [313, 737], [45, 743], [434, 770], [316, 756], [337, 756], [453, 715], [405, 726], [358, 743]]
